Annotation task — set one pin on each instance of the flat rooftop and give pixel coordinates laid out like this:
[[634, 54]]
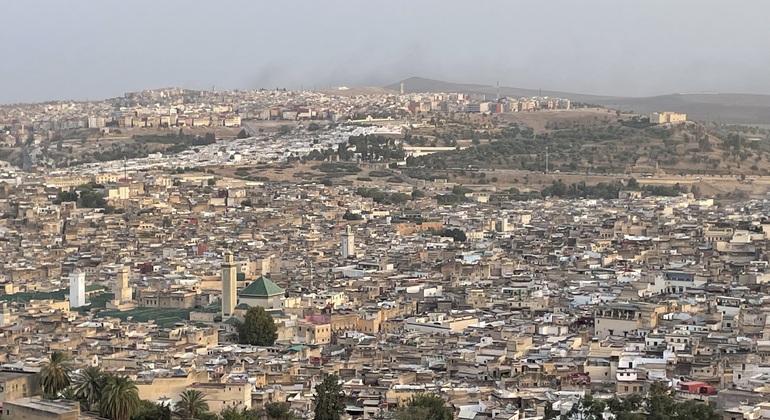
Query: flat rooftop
[[48, 406]]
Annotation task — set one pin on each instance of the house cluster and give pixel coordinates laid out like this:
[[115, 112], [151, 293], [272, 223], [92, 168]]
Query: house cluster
[[476, 103], [543, 302], [179, 108]]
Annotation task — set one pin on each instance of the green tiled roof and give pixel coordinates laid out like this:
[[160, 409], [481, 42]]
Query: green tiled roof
[[213, 308], [262, 287], [163, 317]]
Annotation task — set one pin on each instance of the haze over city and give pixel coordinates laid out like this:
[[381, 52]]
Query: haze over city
[[348, 210], [96, 49]]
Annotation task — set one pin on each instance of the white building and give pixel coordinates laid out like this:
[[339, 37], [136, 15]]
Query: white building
[[77, 288], [348, 243]]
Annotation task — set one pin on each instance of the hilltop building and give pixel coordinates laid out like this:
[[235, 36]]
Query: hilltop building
[[667, 118]]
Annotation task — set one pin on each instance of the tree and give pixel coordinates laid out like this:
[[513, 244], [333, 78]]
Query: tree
[[192, 404], [66, 196], [352, 216], [232, 413], [70, 394], [89, 384], [412, 413], [431, 406], [120, 398], [242, 134], [587, 408], [329, 399], [278, 411], [456, 234], [147, 410], [659, 405], [550, 413], [54, 376], [257, 328]]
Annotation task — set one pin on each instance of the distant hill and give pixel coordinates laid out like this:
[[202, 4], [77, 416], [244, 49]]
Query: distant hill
[[730, 108]]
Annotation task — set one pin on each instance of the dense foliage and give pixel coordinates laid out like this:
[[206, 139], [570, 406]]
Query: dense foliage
[[367, 148], [257, 328], [425, 407], [381, 197], [606, 190], [456, 234], [120, 398], [329, 399], [55, 374], [658, 405]]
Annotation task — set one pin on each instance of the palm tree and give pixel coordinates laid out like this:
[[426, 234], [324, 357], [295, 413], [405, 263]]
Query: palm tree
[[54, 376], [192, 404], [120, 398], [89, 384]]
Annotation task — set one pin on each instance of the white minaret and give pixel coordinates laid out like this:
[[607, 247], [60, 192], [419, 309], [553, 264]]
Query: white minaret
[[122, 289], [348, 243], [229, 296], [5, 315], [77, 288]]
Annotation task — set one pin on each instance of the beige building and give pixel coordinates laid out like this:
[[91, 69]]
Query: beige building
[[169, 386], [177, 299], [40, 409], [625, 319], [667, 118], [222, 395], [15, 385]]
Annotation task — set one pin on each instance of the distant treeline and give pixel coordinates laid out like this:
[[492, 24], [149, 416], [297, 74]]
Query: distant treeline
[[602, 190]]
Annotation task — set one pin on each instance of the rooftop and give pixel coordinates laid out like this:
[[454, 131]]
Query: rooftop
[[262, 287]]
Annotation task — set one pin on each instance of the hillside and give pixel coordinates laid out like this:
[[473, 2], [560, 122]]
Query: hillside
[[595, 144], [729, 108]]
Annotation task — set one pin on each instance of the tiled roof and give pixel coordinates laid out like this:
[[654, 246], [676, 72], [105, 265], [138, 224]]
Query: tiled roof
[[262, 287]]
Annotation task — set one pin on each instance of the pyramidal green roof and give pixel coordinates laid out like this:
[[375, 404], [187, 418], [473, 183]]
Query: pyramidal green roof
[[262, 287]]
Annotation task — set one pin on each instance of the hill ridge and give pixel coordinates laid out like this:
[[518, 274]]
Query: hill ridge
[[728, 108]]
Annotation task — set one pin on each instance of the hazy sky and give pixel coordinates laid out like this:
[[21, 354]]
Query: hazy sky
[[78, 49]]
